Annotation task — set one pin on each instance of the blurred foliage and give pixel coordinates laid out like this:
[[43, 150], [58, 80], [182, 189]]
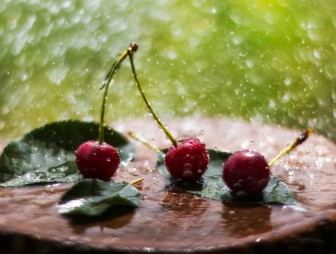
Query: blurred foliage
[[264, 61]]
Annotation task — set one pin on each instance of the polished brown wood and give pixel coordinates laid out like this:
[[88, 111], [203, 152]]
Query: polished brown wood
[[175, 222]]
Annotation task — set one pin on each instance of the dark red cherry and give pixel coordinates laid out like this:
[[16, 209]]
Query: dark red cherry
[[188, 161], [97, 160], [246, 172]]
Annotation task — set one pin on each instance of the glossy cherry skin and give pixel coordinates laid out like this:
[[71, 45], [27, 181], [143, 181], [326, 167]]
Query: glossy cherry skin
[[246, 172], [95, 160], [188, 161]]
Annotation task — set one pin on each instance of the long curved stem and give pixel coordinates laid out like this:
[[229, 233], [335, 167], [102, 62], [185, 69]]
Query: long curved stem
[[106, 84], [157, 119]]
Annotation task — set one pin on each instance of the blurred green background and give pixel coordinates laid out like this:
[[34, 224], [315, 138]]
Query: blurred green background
[[265, 61]]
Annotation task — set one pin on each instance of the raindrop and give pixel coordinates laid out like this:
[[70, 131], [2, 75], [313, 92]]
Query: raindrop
[[132, 170], [187, 173], [57, 75], [316, 54], [288, 81], [213, 10]]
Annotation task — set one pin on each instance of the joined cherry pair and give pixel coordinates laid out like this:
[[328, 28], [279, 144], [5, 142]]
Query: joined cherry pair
[[97, 159]]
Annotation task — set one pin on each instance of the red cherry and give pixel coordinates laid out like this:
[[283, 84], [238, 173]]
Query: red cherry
[[246, 171], [97, 160], [188, 161]]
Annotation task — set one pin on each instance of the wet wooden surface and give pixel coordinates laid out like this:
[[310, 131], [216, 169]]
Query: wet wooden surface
[[169, 221]]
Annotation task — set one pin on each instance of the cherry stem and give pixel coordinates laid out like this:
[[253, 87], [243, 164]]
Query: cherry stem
[[136, 181], [106, 84], [143, 141], [157, 119], [302, 138]]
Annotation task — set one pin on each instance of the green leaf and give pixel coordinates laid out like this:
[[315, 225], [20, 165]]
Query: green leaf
[[94, 198], [47, 154], [212, 186], [276, 192]]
